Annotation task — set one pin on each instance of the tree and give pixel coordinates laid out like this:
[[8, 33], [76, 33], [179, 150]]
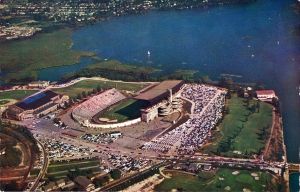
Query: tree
[[257, 106], [276, 104], [115, 174], [79, 97], [228, 95], [84, 95], [226, 82], [240, 92], [98, 88]]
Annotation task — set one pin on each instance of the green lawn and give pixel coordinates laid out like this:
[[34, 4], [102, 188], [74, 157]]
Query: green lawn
[[241, 128], [3, 102], [16, 94], [125, 110], [72, 165], [62, 169], [89, 85], [222, 179], [20, 59]]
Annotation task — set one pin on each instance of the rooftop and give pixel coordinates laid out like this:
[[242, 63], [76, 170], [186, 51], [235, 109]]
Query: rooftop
[[159, 89], [265, 92], [36, 100]]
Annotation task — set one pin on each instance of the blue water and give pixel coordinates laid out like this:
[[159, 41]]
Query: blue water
[[294, 182], [56, 73], [256, 41]]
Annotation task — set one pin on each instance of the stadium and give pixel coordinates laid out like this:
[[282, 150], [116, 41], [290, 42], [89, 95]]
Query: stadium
[[111, 108], [36, 105]]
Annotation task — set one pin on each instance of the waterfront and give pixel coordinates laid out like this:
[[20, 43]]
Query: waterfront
[[255, 41]]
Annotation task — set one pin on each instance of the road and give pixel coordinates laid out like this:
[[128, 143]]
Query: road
[[125, 179], [43, 170]]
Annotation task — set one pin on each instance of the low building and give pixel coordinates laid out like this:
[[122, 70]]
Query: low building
[[116, 134], [36, 105], [84, 183], [39, 84], [50, 187], [266, 95], [60, 183], [2, 150]]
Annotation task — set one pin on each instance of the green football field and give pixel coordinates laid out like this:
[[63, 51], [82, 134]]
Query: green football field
[[125, 110]]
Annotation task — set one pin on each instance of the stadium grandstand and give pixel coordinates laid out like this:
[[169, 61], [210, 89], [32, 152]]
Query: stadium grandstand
[[36, 105], [84, 112], [160, 99]]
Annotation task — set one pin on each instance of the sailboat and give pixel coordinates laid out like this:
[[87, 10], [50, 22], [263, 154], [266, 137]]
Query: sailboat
[[148, 53]]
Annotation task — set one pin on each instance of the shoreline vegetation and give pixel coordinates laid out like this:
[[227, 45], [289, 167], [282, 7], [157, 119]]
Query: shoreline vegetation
[[22, 59]]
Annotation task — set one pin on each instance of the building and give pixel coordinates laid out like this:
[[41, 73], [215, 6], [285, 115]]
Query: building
[[39, 84], [50, 187], [60, 183], [36, 105], [116, 134], [266, 95], [159, 99], [84, 183]]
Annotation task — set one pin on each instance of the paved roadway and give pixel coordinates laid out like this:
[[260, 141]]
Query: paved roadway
[[43, 170], [48, 130], [124, 179]]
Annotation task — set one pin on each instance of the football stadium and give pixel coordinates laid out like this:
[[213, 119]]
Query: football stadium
[[113, 107]]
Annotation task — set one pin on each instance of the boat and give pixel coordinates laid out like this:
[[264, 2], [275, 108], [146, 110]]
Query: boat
[[148, 53]]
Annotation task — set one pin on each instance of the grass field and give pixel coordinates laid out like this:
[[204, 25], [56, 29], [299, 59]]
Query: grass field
[[16, 94], [20, 59], [222, 179], [3, 102], [62, 169], [89, 85], [125, 110], [242, 127]]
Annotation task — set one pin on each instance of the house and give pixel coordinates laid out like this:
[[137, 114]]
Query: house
[[265, 95], [84, 183], [60, 183], [69, 185], [50, 187], [2, 150]]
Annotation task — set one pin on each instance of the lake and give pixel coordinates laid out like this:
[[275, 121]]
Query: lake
[[256, 42]]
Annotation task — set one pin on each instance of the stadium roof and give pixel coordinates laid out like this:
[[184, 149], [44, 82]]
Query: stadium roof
[[265, 92], [159, 90], [36, 100]]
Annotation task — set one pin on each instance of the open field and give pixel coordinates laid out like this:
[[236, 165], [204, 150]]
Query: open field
[[72, 165], [221, 180], [16, 94], [61, 169], [239, 132], [3, 102], [124, 110], [21, 59], [89, 85]]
